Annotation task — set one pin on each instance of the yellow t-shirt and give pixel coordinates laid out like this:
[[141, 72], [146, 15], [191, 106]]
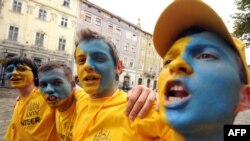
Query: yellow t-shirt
[[32, 120], [104, 119], [65, 120]]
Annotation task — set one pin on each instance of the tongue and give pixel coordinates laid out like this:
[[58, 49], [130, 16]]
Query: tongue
[[180, 94]]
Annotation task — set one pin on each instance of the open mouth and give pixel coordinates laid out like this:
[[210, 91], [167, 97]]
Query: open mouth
[[15, 79], [91, 78], [52, 99], [176, 94]]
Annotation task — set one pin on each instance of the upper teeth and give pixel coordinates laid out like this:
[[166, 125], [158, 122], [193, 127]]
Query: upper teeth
[[177, 88], [90, 78]]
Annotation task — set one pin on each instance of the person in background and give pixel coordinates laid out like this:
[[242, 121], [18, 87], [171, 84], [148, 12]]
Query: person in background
[[204, 82], [31, 113]]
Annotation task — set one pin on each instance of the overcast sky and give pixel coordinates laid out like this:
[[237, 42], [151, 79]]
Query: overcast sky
[[149, 10]]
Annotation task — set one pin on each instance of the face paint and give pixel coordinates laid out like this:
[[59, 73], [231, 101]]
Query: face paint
[[19, 76], [199, 85], [95, 66], [55, 85]]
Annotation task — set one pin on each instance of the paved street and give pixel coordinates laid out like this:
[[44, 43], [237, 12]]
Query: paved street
[[7, 98]]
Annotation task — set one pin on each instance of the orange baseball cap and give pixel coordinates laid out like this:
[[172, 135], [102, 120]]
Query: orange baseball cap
[[181, 15]]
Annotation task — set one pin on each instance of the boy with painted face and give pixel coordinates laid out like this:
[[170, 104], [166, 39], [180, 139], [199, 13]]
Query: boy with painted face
[[56, 82], [98, 69], [31, 113], [204, 81]]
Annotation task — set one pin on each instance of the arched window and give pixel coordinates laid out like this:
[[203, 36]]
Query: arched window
[[139, 81], [148, 83], [125, 85]]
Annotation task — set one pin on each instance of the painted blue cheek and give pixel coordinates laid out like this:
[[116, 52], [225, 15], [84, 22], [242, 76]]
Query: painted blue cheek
[[8, 76]]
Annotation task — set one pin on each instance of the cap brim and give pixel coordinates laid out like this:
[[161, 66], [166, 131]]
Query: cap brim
[[182, 15]]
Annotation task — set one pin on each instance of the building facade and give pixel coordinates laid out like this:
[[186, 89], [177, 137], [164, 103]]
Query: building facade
[[149, 62], [45, 30], [42, 30]]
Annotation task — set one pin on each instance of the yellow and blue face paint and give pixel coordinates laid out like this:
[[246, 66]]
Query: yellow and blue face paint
[[95, 66], [199, 85], [19, 76]]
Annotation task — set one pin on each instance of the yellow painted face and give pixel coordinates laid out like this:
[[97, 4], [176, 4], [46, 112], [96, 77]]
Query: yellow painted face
[[166, 75], [19, 76]]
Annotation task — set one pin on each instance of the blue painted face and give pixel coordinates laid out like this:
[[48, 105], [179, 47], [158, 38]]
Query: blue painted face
[[199, 85], [95, 66], [55, 85]]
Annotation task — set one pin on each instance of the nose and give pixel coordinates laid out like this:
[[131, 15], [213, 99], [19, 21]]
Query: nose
[[14, 72], [88, 67], [180, 67], [48, 90]]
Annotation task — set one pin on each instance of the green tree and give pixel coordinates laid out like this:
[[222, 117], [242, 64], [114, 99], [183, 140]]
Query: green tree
[[242, 20]]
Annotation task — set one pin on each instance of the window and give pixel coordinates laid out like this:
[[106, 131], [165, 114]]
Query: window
[[61, 44], [125, 61], [117, 43], [66, 3], [131, 63], [118, 30], [134, 37], [17, 6], [98, 21], [126, 46], [141, 65], [42, 14], [133, 49], [148, 83], [88, 17], [155, 85], [13, 33], [64, 21], [39, 39], [110, 27], [139, 81]]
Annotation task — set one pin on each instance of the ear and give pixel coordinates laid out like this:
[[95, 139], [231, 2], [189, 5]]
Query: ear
[[244, 103], [119, 67], [73, 84]]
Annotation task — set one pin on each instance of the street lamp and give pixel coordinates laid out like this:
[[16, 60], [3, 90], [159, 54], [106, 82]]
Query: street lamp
[[5, 53]]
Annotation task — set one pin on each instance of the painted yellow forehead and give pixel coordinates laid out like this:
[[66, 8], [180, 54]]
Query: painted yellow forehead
[[78, 51], [177, 48]]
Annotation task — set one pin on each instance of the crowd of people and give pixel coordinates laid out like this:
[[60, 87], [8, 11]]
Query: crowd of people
[[203, 85]]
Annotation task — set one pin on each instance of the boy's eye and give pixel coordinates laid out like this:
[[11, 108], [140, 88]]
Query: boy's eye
[[206, 56], [81, 60], [100, 58], [56, 82], [42, 84], [9, 69], [167, 62]]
